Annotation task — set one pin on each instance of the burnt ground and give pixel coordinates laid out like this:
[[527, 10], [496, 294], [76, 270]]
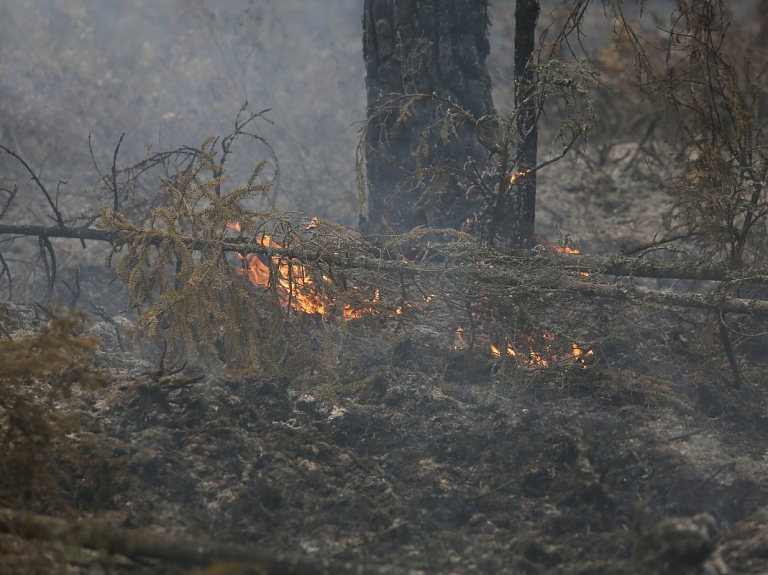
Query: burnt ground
[[458, 470], [425, 459]]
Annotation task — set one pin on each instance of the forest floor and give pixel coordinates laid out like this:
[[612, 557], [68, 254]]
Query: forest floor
[[452, 470]]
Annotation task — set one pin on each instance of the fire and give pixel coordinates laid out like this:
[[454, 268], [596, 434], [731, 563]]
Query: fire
[[536, 359], [567, 250], [296, 288], [513, 177], [579, 354], [294, 285]]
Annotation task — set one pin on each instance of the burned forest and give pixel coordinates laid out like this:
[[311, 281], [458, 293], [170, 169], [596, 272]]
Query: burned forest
[[384, 287]]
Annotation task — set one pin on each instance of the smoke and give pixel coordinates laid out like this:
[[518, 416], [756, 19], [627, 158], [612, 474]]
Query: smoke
[[175, 72]]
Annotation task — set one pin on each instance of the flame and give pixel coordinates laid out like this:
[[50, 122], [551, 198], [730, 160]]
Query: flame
[[294, 285], [295, 288], [459, 342], [567, 250], [547, 355], [513, 177], [579, 354]]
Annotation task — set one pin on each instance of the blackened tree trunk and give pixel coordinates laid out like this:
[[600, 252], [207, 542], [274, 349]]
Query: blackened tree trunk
[[436, 48], [521, 223]]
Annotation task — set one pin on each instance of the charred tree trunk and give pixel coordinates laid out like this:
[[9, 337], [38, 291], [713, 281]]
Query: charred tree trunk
[[523, 216], [436, 48]]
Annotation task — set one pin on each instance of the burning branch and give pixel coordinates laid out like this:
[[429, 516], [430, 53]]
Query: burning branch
[[205, 290]]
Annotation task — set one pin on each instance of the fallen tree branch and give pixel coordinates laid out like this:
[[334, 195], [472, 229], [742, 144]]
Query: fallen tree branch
[[493, 266], [615, 265], [637, 294], [625, 266], [135, 544], [82, 233]]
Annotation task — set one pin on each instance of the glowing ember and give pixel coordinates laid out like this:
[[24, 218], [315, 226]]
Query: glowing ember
[[566, 250]]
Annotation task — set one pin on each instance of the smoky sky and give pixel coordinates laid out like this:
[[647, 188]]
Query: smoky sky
[[174, 72]]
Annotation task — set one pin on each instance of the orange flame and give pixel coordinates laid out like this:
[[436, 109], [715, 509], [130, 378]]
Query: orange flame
[[547, 355], [294, 286], [513, 177], [567, 250], [292, 280]]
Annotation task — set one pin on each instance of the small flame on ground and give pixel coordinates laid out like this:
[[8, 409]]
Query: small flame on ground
[[543, 359], [296, 288]]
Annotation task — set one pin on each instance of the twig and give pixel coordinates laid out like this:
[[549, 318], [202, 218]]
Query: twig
[[685, 435], [102, 313], [11, 194], [113, 181], [50, 271], [715, 474], [494, 490], [7, 270], [59, 217], [725, 337], [77, 290]]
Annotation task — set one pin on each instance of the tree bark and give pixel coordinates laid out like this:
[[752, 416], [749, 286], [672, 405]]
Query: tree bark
[[523, 214], [436, 48]]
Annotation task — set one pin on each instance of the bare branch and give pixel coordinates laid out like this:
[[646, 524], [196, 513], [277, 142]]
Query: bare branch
[[59, 217], [6, 270], [11, 195], [113, 181]]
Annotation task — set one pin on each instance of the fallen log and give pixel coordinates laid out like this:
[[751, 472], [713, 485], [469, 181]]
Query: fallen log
[[136, 544], [613, 265], [478, 262]]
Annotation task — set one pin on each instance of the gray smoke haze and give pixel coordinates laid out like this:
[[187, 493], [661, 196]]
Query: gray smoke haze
[[174, 72]]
